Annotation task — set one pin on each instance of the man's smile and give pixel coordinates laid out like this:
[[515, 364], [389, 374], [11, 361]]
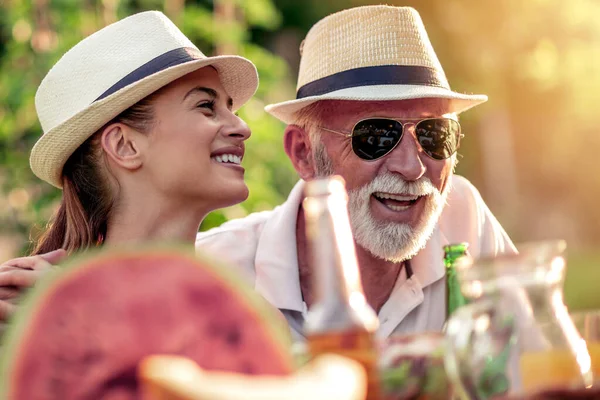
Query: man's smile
[[397, 202]]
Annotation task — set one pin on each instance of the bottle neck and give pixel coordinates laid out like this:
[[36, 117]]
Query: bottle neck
[[452, 252], [336, 276], [339, 301]]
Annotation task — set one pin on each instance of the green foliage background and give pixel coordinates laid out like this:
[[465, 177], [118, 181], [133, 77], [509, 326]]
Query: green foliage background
[[531, 150]]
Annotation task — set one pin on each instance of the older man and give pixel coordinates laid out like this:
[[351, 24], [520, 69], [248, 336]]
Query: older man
[[374, 106]]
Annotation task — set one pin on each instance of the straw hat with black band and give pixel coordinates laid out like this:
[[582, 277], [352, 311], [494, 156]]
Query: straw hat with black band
[[370, 53], [110, 71]]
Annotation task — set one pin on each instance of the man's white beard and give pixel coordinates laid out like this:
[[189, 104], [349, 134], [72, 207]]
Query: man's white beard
[[387, 240], [393, 241]]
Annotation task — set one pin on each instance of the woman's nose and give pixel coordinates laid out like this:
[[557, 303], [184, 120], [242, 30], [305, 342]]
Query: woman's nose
[[238, 128]]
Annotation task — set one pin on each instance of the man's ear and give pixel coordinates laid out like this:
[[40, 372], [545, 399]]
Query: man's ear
[[121, 143], [296, 143]]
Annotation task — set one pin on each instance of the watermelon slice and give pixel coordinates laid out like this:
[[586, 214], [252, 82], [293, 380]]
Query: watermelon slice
[[82, 331]]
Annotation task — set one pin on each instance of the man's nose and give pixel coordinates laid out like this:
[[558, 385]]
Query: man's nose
[[405, 159]]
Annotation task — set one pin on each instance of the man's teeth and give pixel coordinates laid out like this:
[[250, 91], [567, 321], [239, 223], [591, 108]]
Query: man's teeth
[[397, 208], [396, 197], [228, 158]]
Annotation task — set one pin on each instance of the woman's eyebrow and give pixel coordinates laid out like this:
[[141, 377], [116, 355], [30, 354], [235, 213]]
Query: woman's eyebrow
[[211, 92]]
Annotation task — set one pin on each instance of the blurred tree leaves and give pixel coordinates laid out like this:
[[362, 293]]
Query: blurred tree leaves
[[261, 13]]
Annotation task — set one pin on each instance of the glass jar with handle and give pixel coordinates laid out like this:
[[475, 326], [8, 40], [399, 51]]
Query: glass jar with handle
[[516, 336]]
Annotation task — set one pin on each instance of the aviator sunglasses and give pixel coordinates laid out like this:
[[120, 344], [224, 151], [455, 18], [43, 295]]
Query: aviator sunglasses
[[374, 138]]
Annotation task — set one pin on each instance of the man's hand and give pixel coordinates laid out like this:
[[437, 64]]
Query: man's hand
[[18, 274]]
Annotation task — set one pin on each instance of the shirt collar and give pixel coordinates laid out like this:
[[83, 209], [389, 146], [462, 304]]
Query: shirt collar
[[428, 264], [276, 261]]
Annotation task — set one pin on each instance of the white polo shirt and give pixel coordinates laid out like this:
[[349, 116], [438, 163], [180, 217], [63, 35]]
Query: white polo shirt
[[262, 246]]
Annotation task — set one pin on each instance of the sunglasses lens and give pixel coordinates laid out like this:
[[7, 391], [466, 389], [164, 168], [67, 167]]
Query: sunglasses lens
[[438, 137], [374, 138]]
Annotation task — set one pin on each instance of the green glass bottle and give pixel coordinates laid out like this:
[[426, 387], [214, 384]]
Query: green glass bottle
[[452, 253], [493, 380]]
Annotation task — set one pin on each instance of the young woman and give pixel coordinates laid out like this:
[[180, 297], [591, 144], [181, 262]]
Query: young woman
[[141, 135]]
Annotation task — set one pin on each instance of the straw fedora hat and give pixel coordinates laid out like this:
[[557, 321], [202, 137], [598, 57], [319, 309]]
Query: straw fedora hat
[[110, 71], [370, 53]]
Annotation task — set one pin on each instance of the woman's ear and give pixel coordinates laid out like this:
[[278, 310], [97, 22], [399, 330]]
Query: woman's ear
[[122, 145], [296, 143]]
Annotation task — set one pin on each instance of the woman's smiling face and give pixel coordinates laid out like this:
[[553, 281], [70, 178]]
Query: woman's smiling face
[[196, 144]]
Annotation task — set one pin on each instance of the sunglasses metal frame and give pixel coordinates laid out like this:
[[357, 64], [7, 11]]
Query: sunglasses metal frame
[[403, 122]]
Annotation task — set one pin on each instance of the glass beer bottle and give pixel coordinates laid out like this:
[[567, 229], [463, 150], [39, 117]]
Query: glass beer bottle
[[340, 320]]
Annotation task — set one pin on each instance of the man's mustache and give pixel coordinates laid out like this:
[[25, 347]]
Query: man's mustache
[[390, 183]]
